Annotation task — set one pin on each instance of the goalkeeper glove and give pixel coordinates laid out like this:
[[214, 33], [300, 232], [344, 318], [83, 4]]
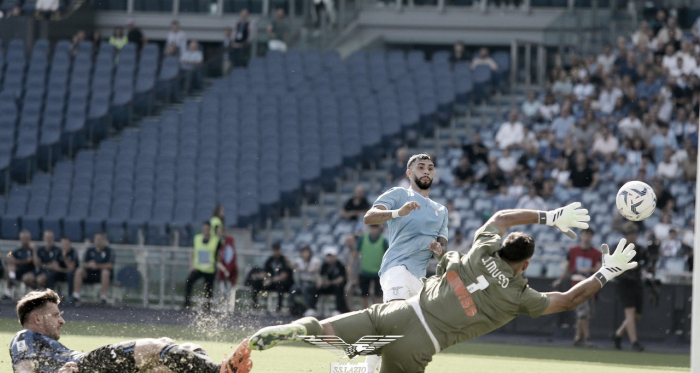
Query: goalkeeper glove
[[617, 263], [566, 217]]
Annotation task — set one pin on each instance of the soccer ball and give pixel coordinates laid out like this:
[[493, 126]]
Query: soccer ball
[[636, 201]]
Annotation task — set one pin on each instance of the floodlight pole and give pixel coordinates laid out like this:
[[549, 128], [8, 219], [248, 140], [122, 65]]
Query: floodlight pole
[[695, 314]]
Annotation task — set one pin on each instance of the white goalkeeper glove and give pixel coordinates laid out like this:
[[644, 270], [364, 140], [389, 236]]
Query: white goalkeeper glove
[[617, 263], [564, 218]]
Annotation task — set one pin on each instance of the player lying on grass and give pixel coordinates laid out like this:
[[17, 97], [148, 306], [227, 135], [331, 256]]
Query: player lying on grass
[[36, 348], [470, 295]]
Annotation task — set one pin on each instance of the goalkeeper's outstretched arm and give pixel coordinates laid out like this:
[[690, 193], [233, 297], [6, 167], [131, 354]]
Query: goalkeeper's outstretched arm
[[613, 266], [563, 218]]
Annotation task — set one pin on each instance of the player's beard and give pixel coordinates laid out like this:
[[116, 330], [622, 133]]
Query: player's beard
[[422, 185]]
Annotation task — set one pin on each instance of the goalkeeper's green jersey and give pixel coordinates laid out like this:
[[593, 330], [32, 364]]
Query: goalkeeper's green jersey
[[473, 294]]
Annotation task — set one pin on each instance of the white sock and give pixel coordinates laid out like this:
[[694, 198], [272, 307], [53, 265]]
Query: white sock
[[76, 295], [13, 276], [373, 361]]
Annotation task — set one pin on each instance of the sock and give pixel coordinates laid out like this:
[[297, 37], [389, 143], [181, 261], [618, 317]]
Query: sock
[[180, 360], [373, 361], [76, 296], [313, 327], [13, 276]]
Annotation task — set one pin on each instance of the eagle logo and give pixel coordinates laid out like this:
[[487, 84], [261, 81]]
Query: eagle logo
[[367, 345]]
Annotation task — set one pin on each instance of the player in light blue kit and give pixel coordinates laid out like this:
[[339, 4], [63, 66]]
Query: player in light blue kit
[[417, 230]]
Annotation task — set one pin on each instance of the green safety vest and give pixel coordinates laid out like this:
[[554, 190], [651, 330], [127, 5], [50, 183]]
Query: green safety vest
[[205, 253], [118, 43], [371, 255]]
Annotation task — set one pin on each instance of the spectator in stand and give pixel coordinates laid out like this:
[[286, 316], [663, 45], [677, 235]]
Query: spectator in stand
[[550, 108], [458, 55], [669, 60], [688, 55], [620, 171], [240, 47], [331, 280], [531, 107], [464, 175], [118, 39], [356, 206], [177, 37], [662, 229], [663, 140], [649, 87], [630, 289], [369, 250], [690, 168], [677, 70], [307, 268], [227, 48], [561, 172], [582, 175], [630, 126], [681, 126], [658, 22], [641, 34], [511, 132], [670, 33], [667, 169], [476, 151], [582, 261], [586, 129], [562, 86], [78, 38], [507, 163], [275, 276], [531, 201], [46, 8], [46, 262], [68, 262], [397, 171], [608, 97], [98, 268], [549, 150], [20, 263], [493, 178], [671, 247], [96, 42], [191, 58], [277, 32], [529, 160], [584, 89], [562, 125], [484, 59], [606, 60], [135, 35]]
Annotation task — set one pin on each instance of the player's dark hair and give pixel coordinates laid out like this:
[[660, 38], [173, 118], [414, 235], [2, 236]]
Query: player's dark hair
[[589, 230], [517, 247], [417, 157], [35, 300], [206, 222]]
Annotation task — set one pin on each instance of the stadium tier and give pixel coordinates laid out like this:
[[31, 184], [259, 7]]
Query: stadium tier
[[254, 140], [53, 102]]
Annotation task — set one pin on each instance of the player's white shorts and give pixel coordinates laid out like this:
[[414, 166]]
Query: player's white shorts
[[399, 283]]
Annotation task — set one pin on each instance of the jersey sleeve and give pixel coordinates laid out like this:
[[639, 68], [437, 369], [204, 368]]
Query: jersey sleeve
[[532, 302], [21, 350], [487, 238], [392, 199], [110, 256]]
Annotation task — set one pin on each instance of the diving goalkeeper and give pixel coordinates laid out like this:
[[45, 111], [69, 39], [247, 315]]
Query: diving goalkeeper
[[470, 295]]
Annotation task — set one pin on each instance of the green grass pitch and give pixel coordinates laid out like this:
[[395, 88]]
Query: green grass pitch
[[298, 357]]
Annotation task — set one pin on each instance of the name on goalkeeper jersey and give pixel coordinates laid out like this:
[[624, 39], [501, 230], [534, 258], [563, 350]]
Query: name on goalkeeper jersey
[[496, 273], [462, 293]]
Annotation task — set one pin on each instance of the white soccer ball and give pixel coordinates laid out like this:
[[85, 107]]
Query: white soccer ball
[[636, 201]]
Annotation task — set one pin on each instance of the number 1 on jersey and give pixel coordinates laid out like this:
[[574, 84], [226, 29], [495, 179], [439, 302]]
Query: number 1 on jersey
[[481, 284]]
